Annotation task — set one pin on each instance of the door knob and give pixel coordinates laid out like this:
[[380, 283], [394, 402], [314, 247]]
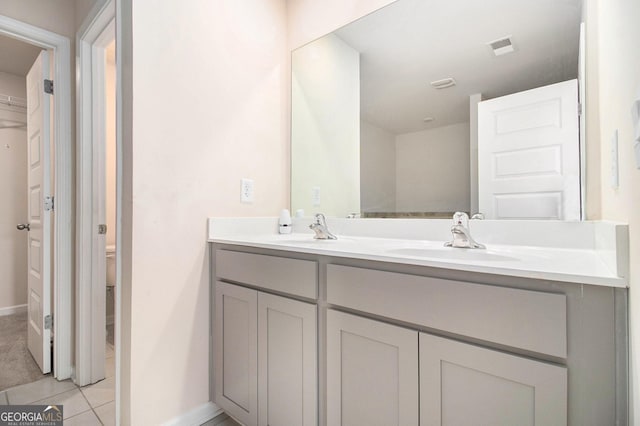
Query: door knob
[[22, 227]]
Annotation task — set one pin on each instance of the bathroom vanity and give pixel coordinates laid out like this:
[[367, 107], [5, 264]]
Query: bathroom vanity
[[383, 331]]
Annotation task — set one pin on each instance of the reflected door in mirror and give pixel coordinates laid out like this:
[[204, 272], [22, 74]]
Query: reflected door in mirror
[[528, 154]]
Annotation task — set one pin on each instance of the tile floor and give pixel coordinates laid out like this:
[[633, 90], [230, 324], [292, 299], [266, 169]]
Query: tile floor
[[87, 406], [83, 406]]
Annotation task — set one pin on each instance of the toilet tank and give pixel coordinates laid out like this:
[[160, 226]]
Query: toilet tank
[[111, 265]]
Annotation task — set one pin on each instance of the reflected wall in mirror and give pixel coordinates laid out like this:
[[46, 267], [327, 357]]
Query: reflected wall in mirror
[[373, 134]]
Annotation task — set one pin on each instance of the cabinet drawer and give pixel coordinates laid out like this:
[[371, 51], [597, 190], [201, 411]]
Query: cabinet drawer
[[530, 320], [292, 276]]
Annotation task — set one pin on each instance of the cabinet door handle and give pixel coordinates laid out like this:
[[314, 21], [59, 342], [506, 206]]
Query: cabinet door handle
[[23, 226]]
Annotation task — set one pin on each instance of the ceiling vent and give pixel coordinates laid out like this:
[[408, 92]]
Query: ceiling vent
[[501, 46], [444, 83]]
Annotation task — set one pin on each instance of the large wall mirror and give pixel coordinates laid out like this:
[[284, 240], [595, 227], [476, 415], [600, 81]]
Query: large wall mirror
[[425, 107]]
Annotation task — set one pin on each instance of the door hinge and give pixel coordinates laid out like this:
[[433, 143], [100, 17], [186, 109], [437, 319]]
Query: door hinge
[[48, 86], [48, 322], [49, 204], [579, 109], [102, 229]]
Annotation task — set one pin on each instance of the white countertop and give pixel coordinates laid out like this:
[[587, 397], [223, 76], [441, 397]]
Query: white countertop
[[575, 264]]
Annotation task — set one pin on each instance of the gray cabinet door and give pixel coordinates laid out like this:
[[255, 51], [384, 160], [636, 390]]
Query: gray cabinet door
[[463, 384], [235, 351], [372, 372], [287, 366]]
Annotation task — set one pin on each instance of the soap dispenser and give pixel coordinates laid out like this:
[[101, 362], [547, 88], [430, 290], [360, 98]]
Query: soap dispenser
[[285, 222]]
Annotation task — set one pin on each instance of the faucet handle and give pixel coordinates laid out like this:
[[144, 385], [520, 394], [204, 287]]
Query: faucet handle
[[320, 228], [320, 219], [461, 218], [478, 216]]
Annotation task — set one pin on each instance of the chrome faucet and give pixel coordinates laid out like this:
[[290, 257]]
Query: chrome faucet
[[320, 228], [461, 234]]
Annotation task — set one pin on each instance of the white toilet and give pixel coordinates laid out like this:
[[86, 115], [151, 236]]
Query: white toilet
[[111, 282]]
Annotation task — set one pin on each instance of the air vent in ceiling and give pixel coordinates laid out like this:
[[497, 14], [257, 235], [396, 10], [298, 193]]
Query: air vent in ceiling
[[444, 83], [501, 46]]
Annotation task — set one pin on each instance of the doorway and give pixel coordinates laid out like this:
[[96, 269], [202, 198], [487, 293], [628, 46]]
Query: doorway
[[97, 298], [62, 247], [110, 197], [17, 365]]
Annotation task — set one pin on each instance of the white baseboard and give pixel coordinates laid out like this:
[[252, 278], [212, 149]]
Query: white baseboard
[[13, 310], [199, 415]]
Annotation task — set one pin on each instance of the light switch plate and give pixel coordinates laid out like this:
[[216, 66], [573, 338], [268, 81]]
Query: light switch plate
[[614, 160], [315, 196], [635, 118]]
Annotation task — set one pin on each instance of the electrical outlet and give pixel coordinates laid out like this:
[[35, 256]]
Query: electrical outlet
[[246, 191], [315, 196]]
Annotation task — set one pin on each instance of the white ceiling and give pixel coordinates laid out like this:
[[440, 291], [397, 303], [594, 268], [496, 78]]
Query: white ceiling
[[410, 43], [16, 57]]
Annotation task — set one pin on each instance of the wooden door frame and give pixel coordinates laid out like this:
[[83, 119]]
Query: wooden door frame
[[63, 245], [90, 258]]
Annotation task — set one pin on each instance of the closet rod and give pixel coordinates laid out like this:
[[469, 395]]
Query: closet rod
[[13, 101]]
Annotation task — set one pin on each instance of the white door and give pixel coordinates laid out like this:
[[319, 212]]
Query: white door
[[582, 99], [528, 154], [39, 254]]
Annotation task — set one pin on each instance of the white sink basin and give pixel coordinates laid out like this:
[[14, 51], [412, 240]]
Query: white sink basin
[[452, 254], [396, 248]]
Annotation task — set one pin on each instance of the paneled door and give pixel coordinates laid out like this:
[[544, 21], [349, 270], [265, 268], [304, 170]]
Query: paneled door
[[528, 154], [464, 384], [287, 365], [372, 372], [39, 252], [235, 351]]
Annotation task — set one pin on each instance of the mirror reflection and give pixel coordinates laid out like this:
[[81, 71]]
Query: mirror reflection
[[424, 108]]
